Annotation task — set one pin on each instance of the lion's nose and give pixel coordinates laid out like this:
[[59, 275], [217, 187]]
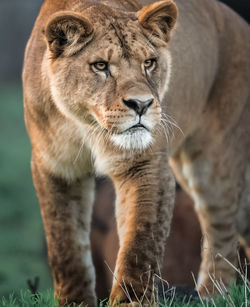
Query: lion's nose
[[139, 106]]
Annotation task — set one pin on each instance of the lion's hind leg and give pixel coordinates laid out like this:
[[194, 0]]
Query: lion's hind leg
[[213, 175]]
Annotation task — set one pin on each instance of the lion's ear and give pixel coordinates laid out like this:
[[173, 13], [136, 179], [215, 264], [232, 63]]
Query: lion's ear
[[67, 32], [159, 18]]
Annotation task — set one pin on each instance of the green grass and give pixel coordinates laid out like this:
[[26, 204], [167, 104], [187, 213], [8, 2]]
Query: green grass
[[27, 299], [237, 296], [22, 254]]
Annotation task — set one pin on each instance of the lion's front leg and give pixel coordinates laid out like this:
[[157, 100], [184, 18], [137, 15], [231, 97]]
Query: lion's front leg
[[145, 197], [66, 211]]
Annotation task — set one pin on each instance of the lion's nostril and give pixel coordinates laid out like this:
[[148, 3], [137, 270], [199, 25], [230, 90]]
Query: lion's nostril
[[139, 106]]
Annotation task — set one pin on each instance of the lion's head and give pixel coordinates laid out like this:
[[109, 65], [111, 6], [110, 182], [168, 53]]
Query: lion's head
[[109, 69]]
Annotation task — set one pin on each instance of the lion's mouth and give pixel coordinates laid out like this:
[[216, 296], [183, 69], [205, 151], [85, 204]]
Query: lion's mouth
[[136, 137], [136, 127]]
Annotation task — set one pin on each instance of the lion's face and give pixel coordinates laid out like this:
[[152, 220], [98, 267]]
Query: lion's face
[[110, 72]]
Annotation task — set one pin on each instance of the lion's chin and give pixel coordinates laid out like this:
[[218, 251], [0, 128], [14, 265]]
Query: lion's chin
[[139, 139]]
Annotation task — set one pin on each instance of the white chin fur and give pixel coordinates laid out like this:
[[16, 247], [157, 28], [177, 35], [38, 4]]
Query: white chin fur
[[133, 140]]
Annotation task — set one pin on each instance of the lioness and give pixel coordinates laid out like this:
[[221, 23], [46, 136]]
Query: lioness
[[104, 84]]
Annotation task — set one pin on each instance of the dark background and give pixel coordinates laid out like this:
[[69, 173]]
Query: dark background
[[22, 249]]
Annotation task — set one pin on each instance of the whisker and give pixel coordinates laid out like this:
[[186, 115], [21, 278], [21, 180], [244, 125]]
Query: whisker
[[172, 122], [79, 152]]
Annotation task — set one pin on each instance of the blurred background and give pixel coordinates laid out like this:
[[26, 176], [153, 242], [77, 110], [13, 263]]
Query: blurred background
[[23, 252]]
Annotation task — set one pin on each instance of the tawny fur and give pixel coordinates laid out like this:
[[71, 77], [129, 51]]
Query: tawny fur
[[79, 125]]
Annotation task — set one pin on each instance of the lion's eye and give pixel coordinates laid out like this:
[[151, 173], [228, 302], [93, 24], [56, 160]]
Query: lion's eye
[[101, 66], [149, 63]]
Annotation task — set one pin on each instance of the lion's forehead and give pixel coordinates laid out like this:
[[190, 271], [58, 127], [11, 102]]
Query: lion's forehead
[[112, 48], [123, 36]]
